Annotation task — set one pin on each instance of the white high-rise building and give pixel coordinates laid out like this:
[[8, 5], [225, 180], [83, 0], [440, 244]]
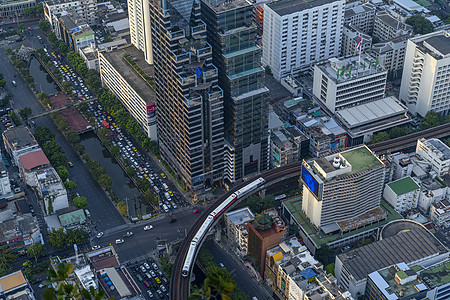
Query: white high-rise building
[[299, 33], [426, 74], [140, 33]]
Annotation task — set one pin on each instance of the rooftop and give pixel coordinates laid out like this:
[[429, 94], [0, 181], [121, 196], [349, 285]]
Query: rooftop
[[388, 19], [73, 217], [403, 186], [12, 281], [361, 159], [225, 5], [19, 137], [294, 206], [34, 159], [435, 44], [240, 216], [117, 60], [287, 7], [439, 149], [405, 246]]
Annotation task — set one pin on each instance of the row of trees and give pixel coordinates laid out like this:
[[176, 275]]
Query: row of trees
[[98, 172], [35, 11], [44, 25], [431, 119], [420, 24], [77, 62], [62, 47], [59, 238]]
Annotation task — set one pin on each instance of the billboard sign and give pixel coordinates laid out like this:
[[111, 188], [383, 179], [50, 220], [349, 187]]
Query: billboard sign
[[310, 182]]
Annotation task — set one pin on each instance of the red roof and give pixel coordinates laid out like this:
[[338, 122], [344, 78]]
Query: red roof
[[33, 159]]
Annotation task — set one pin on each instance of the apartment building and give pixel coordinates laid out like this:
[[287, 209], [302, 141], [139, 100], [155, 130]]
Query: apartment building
[[287, 145], [85, 10], [341, 83], [351, 35], [402, 194], [15, 8], [51, 191], [140, 30], [19, 141], [387, 27], [426, 73], [236, 226], [391, 53], [190, 102], [231, 33], [436, 153], [299, 33], [135, 93], [361, 15], [293, 273], [340, 188], [74, 33], [440, 213]]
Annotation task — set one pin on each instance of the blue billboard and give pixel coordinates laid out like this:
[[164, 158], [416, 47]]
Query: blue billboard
[[310, 182]]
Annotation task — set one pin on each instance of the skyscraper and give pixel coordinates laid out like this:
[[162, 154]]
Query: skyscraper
[[140, 33], [189, 101], [232, 34]]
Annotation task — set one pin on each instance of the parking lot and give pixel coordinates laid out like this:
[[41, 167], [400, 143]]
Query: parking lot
[[150, 279]]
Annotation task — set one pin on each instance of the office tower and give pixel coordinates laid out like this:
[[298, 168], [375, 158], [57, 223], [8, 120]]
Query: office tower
[[232, 35], [140, 32], [341, 83], [426, 74], [298, 33], [342, 187], [190, 103]]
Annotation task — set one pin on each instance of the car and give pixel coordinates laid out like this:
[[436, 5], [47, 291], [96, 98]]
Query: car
[[128, 234], [150, 294], [160, 294], [222, 265], [8, 124], [163, 288], [139, 277], [99, 235], [96, 247], [197, 210], [163, 175], [158, 281], [152, 273], [147, 284], [155, 266], [173, 220], [165, 280], [119, 241], [346, 248], [170, 193], [143, 269], [148, 227], [70, 164], [147, 266]]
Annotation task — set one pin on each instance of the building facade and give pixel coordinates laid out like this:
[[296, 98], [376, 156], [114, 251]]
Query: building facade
[[74, 33], [5, 185], [440, 213], [190, 102], [232, 35], [86, 10], [360, 15], [436, 153], [129, 87], [387, 27], [402, 194], [140, 30], [287, 145], [299, 33], [19, 141], [346, 82], [14, 9], [424, 84], [391, 54], [236, 226], [351, 36], [341, 186]]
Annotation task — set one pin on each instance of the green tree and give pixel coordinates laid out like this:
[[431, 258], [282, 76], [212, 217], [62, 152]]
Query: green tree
[[218, 284], [115, 151], [105, 181], [70, 185], [2, 83], [25, 113], [21, 27], [63, 173], [36, 251], [330, 269], [123, 209], [57, 238], [143, 184], [75, 236], [150, 198], [166, 266], [67, 86], [420, 24], [431, 119], [80, 202], [324, 254], [447, 142], [379, 137], [73, 137], [7, 257], [78, 148], [131, 172]]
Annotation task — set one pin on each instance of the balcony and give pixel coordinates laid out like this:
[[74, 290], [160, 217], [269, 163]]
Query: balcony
[[180, 57], [199, 29], [185, 80], [205, 50], [193, 100], [217, 93], [177, 34]]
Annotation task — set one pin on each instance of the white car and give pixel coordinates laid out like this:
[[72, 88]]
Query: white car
[[95, 247], [99, 235], [119, 241], [148, 227]]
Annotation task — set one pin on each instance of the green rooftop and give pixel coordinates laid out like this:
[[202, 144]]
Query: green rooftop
[[401, 274], [436, 276], [361, 159], [403, 186], [294, 206]]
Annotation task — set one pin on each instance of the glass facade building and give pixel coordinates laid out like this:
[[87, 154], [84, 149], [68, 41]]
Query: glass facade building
[[231, 32]]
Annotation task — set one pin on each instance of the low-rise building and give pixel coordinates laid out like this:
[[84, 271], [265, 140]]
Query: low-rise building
[[75, 33], [135, 92], [417, 281], [391, 54], [5, 184], [19, 141], [287, 145], [29, 163], [51, 190], [436, 153], [440, 213], [15, 286], [402, 194], [86, 10], [292, 85], [387, 27], [14, 8], [293, 273], [401, 164], [360, 15], [266, 231], [90, 57], [236, 226]]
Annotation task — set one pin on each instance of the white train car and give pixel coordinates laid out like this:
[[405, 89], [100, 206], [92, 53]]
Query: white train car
[[223, 206], [203, 229], [189, 259], [251, 187]]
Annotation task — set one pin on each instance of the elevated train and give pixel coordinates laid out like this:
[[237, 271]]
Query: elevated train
[[216, 213]]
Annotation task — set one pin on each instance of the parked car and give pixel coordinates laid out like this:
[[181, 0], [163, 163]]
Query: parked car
[[119, 241], [96, 247], [150, 294], [147, 284], [147, 266]]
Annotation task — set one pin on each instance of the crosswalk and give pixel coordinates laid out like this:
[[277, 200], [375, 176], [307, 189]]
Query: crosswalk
[[116, 229]]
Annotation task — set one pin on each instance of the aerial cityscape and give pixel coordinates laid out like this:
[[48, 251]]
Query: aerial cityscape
[[225, 149]]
